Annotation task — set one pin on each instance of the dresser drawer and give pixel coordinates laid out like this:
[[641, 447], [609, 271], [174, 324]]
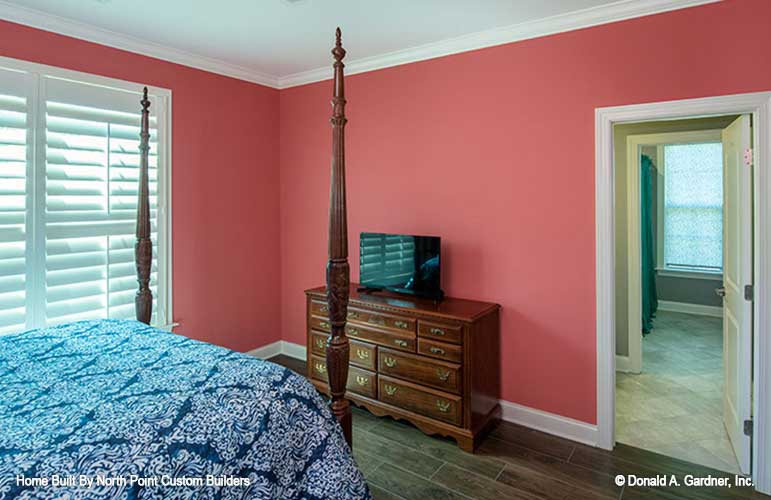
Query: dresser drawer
[[318, 323], [402, 341], [319, 343], [361, 354], [359, 381], [319, 368], [378, 320], [419, 369], [441, 331], [434, 404], [440, 350], [362, 382], [319, 308]]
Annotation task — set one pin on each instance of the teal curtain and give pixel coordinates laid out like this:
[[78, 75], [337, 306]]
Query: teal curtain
[[650, 301]]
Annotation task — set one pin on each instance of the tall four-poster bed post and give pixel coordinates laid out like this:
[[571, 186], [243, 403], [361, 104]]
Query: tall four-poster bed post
[[143, 250], [338, 281]]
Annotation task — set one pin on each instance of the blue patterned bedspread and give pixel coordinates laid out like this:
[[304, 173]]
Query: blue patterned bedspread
[[143, 413]]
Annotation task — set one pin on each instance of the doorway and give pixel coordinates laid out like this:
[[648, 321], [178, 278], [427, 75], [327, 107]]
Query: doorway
[[671, 395], [758, 106]]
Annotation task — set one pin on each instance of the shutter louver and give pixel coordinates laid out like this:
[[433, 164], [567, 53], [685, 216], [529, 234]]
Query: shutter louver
[[92, 173], [388, 258], [14, 153]]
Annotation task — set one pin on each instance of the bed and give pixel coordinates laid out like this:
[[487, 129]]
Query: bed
[[118, 409]]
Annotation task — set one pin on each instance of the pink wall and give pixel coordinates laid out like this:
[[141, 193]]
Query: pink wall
[[494, 151], [224, 186]]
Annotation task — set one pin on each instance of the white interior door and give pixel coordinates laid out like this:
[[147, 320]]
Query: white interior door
[[737, 273]]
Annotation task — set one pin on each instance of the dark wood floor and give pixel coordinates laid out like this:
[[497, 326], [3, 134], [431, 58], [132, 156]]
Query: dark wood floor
[[513, 462]]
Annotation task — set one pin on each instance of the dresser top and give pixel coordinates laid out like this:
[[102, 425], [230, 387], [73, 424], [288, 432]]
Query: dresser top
[[449, 307]]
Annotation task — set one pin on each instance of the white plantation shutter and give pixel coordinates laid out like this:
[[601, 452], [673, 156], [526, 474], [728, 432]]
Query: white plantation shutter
[[14, 152], [81, 196], [92, 173]]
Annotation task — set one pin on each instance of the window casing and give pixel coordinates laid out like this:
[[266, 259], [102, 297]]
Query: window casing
[[68, 184]]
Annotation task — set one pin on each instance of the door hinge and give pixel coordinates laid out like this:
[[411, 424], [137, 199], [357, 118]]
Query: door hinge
[[749, 292], [748, 427], [748, 157]]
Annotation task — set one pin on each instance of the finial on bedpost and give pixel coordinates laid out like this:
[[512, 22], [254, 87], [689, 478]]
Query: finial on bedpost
[[338, 52], [338, 281], [143, 249]]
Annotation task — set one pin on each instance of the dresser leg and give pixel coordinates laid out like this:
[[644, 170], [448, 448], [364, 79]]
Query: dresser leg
[[466, 444]]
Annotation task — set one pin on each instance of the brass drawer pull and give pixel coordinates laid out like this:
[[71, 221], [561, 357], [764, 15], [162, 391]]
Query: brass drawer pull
[[401, 324], [376, 320], [437, 331], [437, 350], [362, 354], [353, 331], [390, 390], [362, 381], [443, 406], [390, 362], [443, 375], [320, 367], [353, 315], [323, 324], [399, 342], [324, 309], [320, 343]]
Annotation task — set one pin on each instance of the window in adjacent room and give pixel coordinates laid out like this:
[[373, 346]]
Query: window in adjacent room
[[69, 164], [691, 208]]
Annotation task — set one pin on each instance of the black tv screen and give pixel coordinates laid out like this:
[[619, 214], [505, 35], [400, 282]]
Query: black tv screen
[[401, 263]]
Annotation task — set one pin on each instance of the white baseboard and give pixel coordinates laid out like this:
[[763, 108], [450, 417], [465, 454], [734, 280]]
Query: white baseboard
[[290, 349], [624, 364], [511, 412], [293, 350], [683, 307], [266, 351], [549, 423]]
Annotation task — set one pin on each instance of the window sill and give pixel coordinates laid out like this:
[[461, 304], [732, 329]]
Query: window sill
[[683, 273], [168, 327]]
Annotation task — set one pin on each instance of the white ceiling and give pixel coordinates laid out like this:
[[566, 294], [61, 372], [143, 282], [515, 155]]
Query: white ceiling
[[286, 42]]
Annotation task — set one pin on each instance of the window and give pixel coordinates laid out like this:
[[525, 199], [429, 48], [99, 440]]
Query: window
[[69, 164], [692, 217]]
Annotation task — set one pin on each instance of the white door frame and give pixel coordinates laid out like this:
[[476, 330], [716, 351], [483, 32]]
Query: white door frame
[[633, 361], [759, 106]]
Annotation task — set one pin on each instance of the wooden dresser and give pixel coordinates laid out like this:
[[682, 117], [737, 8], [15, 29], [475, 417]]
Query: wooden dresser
[[435, 364]]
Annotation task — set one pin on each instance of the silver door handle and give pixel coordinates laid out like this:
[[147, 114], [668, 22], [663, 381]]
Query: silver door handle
[[720, 291]]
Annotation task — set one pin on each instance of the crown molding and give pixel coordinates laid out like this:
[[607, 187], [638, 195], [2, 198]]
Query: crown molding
[[63, 26], [585, 18]]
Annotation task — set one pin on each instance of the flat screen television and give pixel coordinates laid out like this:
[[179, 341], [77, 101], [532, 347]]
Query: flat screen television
[[401, 263]]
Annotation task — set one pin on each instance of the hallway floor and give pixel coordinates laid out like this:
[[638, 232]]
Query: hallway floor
[[674, 407]]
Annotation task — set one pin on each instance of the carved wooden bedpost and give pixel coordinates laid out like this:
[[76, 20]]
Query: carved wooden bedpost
[[338, 281], [143, 250]]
